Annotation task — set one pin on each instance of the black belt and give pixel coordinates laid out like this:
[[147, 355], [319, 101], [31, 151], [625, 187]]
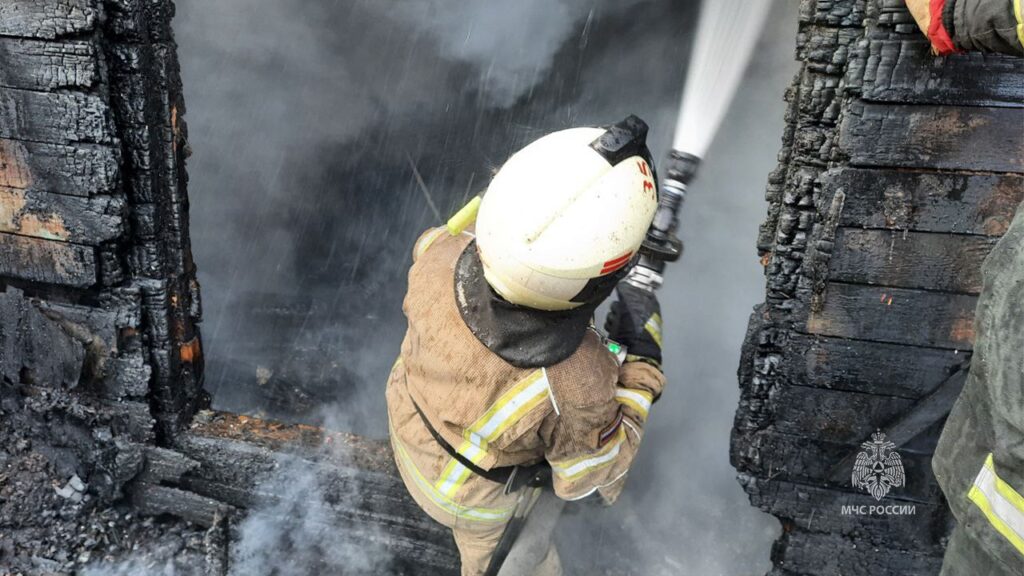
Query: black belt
[[513, 477]]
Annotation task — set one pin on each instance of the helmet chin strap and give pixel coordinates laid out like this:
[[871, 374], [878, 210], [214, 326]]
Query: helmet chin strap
[[524, 337]]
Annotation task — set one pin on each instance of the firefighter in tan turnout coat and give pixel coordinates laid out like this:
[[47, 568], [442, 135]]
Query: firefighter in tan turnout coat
[[501, 365]]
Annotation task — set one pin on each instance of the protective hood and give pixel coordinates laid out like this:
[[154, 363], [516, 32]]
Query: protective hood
[[524, 337]]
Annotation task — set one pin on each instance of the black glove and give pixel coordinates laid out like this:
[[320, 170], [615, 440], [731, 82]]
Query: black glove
[[635, 322]]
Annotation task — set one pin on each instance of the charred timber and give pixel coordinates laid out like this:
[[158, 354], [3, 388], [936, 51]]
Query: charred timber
[[894, 183]]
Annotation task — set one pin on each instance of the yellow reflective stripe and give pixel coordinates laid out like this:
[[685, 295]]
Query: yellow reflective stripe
[[509, 408], [452, 478], [482, 514], [426, 241], [576, 467], [1001, 504], [1017, 12], [638, 400], [653, 327]]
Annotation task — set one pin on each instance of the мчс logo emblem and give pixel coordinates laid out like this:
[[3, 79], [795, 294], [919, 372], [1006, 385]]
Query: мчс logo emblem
[[878, 467]]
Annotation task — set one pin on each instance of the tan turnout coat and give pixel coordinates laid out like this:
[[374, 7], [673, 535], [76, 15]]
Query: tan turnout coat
[[584, 415]]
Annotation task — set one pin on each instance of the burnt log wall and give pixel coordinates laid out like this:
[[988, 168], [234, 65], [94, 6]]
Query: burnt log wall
[[100, 355], [99, 344], [898, 173]]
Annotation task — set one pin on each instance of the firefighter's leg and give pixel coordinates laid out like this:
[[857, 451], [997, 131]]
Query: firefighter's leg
[[534, 553], [476, 543], [552, 565]]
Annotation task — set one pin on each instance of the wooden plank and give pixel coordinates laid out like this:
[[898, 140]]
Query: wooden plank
[[155, 500], [868, 367], [834, 415], [47, 261], [77, 169], [896, 315], [90, 221], [843, 13], [819, 510], [925, 201], [814, 553], [947, 137], [904, 70], [47, 18], [947, 262], [47, 65], [806, 458], [57, 118]]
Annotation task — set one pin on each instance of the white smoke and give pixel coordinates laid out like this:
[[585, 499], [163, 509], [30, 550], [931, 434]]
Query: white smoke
[[302, 534]]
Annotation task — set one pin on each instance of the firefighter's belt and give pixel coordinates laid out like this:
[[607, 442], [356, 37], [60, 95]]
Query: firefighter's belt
[[513, 477]]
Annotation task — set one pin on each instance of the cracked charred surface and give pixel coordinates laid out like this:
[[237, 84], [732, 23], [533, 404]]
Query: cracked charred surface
[[98, 302], [896, 177]]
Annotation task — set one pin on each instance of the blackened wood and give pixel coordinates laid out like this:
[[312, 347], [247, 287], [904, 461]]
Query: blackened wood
[[47, 18], [156, 500], [963, 203], [820, 510], [868, 367], [947, 137], [59, 118], [75, 169], [807, 459], [34, 349], [904, 71], [90, 221], [896, 315], [921, 416], [840, 13], [834, 415], [46, 261], [45, 65], [903, 259], [805, 552]]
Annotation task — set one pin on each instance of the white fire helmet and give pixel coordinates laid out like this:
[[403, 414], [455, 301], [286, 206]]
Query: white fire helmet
[[565, 213]]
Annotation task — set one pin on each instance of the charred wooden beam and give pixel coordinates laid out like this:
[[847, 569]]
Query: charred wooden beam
[[226, 463]]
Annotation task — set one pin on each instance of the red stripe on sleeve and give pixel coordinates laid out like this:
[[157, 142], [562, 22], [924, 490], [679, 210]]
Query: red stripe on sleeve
[[937, 33]]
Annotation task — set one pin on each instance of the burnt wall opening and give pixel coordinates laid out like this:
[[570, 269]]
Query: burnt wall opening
[[328, 139]]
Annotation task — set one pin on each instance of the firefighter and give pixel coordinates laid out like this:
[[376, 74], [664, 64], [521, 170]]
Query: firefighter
[[501, 365], [962, 25], [979, 461]]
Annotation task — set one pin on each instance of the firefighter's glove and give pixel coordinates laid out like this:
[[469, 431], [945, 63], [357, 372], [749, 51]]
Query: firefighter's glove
[[635, 322]]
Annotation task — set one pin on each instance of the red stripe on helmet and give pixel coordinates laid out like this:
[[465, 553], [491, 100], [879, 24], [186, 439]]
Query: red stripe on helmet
[[615, 264]]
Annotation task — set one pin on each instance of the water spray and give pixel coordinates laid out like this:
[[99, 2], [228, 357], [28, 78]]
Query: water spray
[[726, 35]]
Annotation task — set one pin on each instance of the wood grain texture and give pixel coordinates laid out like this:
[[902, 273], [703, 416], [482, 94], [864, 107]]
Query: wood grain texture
[[58, 118], [899, 70], [48, 65], [91, 221], [925, 201], [896, 315], [868, 367], [947, 137], [946, 262], [47, 18], [73, 169], [47, 261]]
